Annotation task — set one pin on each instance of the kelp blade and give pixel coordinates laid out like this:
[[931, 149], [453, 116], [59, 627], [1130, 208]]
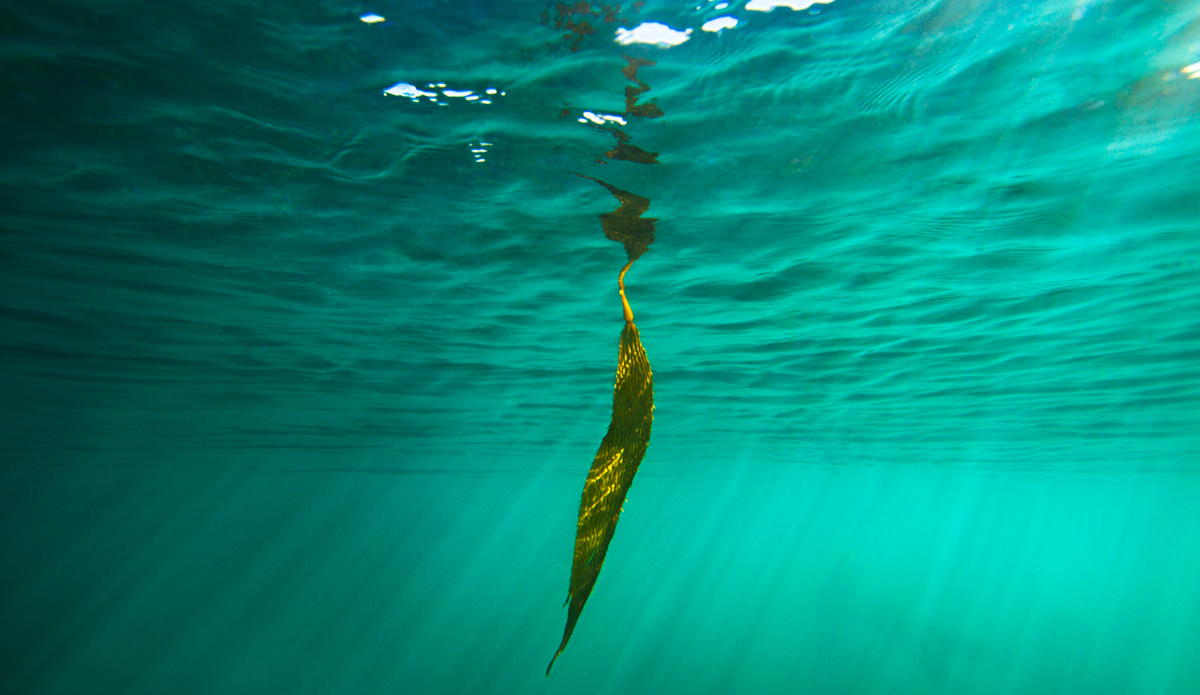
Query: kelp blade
[[612, 473]]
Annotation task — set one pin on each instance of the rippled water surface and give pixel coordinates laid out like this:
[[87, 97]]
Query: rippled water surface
[[308, 331]]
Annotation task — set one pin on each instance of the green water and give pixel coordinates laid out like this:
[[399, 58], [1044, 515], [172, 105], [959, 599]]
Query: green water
[[299, 395]]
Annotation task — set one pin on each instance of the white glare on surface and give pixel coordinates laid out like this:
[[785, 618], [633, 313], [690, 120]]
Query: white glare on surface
[[720, 5], [371, 18], [653, 32], [720, 23], [601, 119], [768, 5], [404, 89], [1189, 69]]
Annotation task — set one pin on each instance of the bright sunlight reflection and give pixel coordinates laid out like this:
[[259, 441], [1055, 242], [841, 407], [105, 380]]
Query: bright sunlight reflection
[[653, 33], [768, 5]]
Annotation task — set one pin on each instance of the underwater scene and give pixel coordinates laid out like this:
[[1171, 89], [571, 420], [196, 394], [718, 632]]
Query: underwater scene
[[336, 339]]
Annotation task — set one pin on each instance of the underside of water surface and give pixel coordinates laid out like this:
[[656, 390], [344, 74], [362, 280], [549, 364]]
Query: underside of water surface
[[309, 321]]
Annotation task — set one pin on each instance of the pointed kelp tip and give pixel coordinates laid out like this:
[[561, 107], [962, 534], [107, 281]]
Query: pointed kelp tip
[[552, 660]]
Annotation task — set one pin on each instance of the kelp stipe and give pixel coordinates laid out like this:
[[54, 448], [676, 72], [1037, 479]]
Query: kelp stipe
[[628, 435]]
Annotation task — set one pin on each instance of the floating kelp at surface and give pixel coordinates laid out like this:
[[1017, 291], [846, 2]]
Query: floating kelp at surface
[[631, 153], [624, 150], [578, 28], [632, 94], [626, 224]]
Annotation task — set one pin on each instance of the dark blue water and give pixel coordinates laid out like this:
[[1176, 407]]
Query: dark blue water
[[301, 380]]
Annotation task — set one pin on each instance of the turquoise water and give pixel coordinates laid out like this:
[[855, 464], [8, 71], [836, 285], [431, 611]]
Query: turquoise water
[[299, 395]]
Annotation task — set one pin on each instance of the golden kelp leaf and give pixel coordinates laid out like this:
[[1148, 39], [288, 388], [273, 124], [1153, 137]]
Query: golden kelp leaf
[[613, 468], [626, 223]]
